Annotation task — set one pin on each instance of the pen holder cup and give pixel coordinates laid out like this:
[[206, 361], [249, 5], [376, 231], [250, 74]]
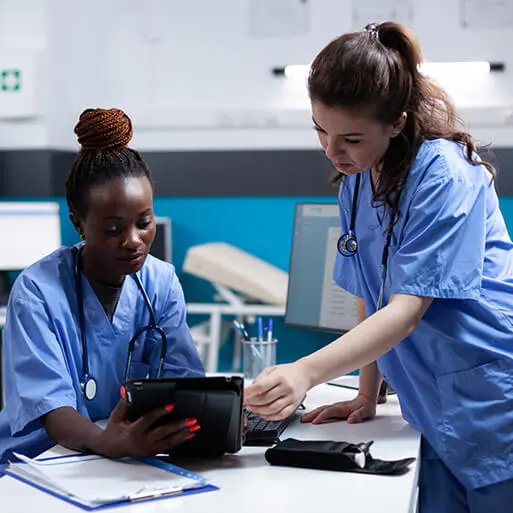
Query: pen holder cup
[[257, 355]]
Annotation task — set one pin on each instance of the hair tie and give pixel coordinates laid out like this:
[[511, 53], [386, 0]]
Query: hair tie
[[373, 30]]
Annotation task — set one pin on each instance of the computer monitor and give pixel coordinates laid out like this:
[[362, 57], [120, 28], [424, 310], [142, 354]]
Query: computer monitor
[[161, 247], [28, 232], [314, 301]]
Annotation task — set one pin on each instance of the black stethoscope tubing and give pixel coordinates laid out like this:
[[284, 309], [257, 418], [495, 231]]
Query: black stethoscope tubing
[[88, 383], [347, 243]]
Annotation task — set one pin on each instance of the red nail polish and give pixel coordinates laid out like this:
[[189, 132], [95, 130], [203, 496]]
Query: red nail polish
[[189, 436], [170, 407], [195, 428], [191, 422], [122, 392]]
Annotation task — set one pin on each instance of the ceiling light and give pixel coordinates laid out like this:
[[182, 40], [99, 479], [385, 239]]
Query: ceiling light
[[433, 69]]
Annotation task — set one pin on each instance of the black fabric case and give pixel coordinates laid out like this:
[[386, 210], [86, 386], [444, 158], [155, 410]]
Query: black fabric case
[[331, 455]]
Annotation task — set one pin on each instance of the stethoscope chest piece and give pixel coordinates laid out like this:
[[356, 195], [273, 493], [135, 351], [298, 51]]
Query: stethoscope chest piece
[[347, 245], [89, 388], [87, 384]]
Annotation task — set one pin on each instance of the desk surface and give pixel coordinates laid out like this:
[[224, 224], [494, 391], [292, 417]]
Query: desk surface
[[248, 483]]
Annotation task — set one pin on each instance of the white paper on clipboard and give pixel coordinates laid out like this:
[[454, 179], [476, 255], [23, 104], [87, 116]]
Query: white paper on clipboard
[[93, 481]]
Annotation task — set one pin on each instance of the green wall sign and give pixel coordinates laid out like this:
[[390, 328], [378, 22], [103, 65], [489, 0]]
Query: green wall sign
[[10, 80]]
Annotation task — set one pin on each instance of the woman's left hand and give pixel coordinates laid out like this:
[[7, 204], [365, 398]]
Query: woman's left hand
[[277, 391]]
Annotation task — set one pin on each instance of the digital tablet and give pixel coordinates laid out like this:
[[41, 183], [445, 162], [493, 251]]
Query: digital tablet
[[216, 402]]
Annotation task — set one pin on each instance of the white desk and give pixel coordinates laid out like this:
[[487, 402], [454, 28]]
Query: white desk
[[249, 484]]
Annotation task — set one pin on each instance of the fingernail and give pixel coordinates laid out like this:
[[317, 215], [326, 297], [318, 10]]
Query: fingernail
[[170, 407], [197, 427], [122, 392], [190, 422], [189, 436]]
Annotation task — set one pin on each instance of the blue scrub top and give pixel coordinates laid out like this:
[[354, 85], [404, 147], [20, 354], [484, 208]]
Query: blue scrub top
[[42, 350], [454, 373]]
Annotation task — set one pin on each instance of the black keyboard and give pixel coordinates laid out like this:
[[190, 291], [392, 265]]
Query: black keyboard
[[264, 432]]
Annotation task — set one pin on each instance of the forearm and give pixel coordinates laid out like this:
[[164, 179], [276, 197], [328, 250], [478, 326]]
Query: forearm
[[67, 427], [370, 378], [369, 340], [370, 381]]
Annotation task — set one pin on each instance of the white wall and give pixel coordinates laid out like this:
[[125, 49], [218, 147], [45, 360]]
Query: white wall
[[23, 26], [177, 66]]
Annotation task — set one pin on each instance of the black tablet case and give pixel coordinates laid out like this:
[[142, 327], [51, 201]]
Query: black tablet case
[[216, 402]]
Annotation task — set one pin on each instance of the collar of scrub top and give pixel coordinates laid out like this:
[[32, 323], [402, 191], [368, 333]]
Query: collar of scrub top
[[88, 383], [348, 243]]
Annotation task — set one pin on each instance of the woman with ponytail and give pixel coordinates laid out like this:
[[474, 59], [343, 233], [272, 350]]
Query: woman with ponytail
[[71, 315], [425, 249]]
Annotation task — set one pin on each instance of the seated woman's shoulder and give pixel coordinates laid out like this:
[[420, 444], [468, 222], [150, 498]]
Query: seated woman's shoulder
[[45, 274], [155, 266]]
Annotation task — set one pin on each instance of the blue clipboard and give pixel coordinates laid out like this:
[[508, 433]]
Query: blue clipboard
[[200, 487]]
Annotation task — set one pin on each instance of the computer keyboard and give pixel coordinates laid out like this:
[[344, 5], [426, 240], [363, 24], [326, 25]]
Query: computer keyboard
[[264, 432]]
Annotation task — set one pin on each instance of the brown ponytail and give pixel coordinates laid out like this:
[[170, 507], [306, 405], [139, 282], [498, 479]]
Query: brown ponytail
[[377, 71]]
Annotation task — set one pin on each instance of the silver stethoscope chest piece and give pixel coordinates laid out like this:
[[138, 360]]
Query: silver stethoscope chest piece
[[90, 389], [347, 244]]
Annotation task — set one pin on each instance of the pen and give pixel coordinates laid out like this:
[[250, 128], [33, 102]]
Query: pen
[[269, 329], [145, 494], [240, 327], [260, 328], [154, 495]]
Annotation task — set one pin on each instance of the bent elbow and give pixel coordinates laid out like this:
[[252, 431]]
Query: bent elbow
[[410, 327]]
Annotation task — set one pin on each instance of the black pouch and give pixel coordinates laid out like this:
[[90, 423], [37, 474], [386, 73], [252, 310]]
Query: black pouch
[[330, 455]]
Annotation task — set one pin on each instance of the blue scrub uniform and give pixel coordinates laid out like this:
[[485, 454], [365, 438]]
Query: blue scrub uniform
[[454, 373], [42, 350]]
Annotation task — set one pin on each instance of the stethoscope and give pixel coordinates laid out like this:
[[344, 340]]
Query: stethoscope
[[88, 384], [347, 244]]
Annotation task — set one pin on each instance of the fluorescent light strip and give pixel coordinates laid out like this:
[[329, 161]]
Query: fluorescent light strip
[[433, 69], [296, 71]]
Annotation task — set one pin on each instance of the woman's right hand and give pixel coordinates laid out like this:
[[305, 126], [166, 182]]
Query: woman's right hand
[[122, 438], [357, 410]]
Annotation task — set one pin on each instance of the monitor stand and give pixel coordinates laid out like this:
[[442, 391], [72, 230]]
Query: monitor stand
[[5, 287]]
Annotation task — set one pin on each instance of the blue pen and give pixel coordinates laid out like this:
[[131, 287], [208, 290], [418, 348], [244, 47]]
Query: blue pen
[[269, 329], [260, 328]]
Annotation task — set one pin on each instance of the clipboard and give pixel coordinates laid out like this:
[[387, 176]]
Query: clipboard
[[93, 482]]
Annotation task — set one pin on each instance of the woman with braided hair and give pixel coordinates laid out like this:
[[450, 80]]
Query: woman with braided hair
[[72, 314]]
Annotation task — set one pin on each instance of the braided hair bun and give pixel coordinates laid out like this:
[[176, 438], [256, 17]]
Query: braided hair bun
[[103, 129], [104, 135]]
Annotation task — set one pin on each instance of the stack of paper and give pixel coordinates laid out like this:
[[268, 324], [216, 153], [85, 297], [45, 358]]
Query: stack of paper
[[93, 481]]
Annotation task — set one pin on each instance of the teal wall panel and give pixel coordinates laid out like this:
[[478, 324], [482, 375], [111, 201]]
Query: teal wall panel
[[261, 226]]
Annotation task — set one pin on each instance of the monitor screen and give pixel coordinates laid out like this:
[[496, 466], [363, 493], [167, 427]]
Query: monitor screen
[[29, 231], [161, 247], [314, 300]]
